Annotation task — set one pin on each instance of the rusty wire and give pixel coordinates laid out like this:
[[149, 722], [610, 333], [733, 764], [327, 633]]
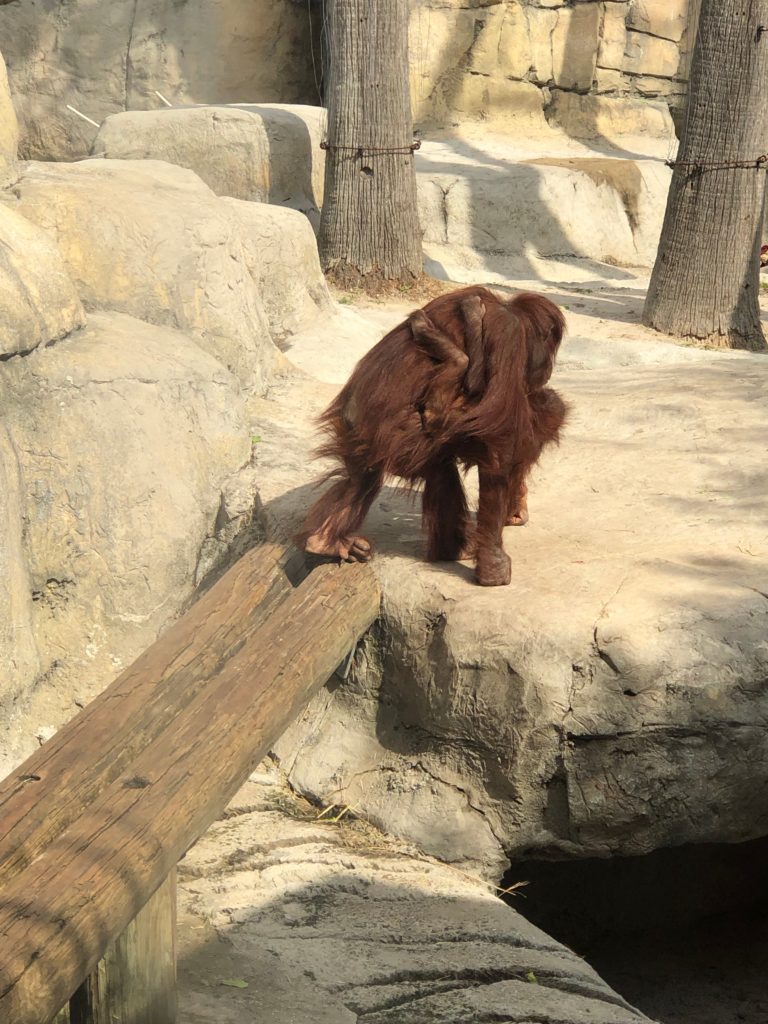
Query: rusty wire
[[374, 150], [699, 166]]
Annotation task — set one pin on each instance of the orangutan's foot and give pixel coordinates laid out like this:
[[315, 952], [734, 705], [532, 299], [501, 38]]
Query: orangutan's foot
[[494, 568], [349, 549], [519, 518], [518, 508]]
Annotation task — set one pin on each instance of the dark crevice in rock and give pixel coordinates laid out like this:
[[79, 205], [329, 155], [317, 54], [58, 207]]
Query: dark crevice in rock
[[6, 357], [679, 931], [128, 65]]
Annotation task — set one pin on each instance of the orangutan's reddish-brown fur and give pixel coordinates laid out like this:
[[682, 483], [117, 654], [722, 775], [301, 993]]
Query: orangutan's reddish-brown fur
[[461, 382]]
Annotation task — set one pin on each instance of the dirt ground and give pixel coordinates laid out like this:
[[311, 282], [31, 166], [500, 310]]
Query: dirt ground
[[681, 933], [713, 973]]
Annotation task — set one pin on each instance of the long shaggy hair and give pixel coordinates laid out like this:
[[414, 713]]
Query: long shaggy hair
[[497, 417]]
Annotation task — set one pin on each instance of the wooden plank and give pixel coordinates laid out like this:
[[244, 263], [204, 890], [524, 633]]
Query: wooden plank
[[92, 880], [41, 798], [135, 982]]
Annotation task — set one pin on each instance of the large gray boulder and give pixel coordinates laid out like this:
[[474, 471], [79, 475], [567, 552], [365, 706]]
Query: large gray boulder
[[9, 131], [115, 447], [38, 299], [593, 707], [150, 239], [268, 153], [330, 923]]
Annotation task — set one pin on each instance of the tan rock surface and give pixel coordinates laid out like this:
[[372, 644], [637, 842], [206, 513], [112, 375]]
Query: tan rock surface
[[281, 256], [592, 707], [647, 55], [329, 923], [102, 57], [9, 131], [613, 36], [664, 18], [485, 200], [38, 300], [115, 447], [611, 120], [268, 153], [150, 239]]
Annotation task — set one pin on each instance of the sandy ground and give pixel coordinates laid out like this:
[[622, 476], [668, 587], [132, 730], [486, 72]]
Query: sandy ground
[[714, 973]]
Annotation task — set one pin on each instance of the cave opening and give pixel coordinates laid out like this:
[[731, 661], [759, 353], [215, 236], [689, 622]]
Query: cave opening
[[681, 933]]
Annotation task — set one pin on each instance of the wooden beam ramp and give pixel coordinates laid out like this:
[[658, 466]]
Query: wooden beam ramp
[[93, 824]]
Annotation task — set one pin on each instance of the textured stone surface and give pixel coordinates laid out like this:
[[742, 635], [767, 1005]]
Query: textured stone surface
[[439, 42], [9, 131], [613, 36], [647, 55], [519, 104], [609, 119], [335, 924], [594, 706], [542, 23], [574, 46], [152, 240], [38, 300], [18, 645], [502, 42], [266, 153], [664, 18], [607, 80], [281, 256], [101, 57], [487, 206], [115, 445], [480, 197], [461, 53]]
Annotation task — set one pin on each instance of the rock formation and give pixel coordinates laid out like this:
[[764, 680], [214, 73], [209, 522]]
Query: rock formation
[[338, 924], [507, 62], [139, 316], [486, 203], [9, 131], [613, 699]]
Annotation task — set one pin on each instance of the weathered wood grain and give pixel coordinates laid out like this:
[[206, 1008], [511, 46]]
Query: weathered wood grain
[[135, 982], [90, 879], [41, 798]]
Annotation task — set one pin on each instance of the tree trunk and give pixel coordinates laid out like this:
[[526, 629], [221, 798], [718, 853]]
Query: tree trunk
[[369, 228], [705, 283]]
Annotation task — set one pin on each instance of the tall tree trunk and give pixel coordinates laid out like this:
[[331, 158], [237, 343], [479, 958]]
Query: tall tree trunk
[[705, 283], [369, 227]]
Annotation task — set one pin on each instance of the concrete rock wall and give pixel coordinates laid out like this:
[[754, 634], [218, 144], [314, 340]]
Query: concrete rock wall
[[504, 61], [139, 314], [101, 57], [507, 60]]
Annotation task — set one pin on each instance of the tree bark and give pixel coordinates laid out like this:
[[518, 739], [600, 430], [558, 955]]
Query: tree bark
[[369, 228], [705, 283]]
